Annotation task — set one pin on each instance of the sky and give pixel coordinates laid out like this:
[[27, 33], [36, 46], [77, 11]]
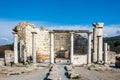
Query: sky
[[60, 14]]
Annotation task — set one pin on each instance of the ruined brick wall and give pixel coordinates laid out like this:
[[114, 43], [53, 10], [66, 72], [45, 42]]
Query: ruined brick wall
[[42, 44], [80, 44], [24, 30], [9, 57], [62, 44], [42, 39]]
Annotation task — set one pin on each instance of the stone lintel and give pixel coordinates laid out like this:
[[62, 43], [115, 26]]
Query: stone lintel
[[68, 31], [89, 33], [99, 36]]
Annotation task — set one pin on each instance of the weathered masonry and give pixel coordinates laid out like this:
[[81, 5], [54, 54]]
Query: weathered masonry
[[39, 45]]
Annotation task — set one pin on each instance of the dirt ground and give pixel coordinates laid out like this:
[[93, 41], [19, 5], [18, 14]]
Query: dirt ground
[[39, 73], [105, 73]]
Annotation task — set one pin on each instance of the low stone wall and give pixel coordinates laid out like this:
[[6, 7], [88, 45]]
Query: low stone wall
[[2, 62], [111, 56], [9, 57], [117, 62], [80, 59]]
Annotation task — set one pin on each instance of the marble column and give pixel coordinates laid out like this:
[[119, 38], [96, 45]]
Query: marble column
[[71, 47], [89, 49], [21, 52], [95, 45], [99, 49], [97, 41], [34, 47], [15, 47], [105, 53], [51, 48]]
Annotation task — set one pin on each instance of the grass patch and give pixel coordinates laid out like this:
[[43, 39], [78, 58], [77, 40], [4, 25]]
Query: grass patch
[[15, 74]]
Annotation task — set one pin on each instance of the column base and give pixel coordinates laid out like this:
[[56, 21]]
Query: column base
[[89, 64]]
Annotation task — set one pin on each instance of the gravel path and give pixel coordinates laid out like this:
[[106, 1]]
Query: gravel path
[[62, 72], [35, 75]]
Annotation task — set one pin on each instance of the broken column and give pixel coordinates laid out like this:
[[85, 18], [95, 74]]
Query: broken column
[[97, 42], [89, 49], [71, 47], [51, 47], [105, 53], [15, 47], [94, 44], [99, 53], [21, 51], [34, 47]]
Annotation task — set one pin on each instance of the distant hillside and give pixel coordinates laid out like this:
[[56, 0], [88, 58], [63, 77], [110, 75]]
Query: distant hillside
[[114, 43], [4, 41], [5, 47]]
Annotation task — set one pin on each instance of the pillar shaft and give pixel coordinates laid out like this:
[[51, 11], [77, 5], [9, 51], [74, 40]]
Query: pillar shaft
[[71, 47], [105, 53], [89, 49], [95, 45], [99, 49], [15, 48], [52, 48], [33, 47], [21, 53]]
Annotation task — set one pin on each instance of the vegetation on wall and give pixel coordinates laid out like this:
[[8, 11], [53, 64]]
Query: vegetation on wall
[[5, 47], [114, 43]]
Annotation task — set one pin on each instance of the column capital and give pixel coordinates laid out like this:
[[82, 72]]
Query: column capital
[[98, 25], [34, 32], [99, 36], [14, 32], [89, 33]]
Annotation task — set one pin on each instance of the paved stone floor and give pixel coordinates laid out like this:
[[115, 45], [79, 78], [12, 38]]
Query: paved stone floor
[[105, 73]]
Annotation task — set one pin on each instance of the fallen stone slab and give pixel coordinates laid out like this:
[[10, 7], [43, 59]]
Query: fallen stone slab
[[69, 68], [53, 77]]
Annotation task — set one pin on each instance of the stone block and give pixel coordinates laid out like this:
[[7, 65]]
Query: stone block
[[2, 62], [9, 57]]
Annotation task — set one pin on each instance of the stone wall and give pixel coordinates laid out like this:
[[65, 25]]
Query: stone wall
[[9, 57], [42, 40], [42, 44], [111, 56], [80, 59], [62, 44], [2, 62], [80, 44], [24, 30]]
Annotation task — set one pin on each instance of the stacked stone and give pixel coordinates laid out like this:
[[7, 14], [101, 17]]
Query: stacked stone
[[53, 74], [43, 43], [70, 71], [9, 57], [2, 62]]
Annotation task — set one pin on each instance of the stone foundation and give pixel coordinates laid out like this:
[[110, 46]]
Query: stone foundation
[[80, 59], [2, 62], [9, 57]]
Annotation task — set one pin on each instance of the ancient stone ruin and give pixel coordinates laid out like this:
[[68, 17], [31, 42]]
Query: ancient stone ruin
[[39, 45]]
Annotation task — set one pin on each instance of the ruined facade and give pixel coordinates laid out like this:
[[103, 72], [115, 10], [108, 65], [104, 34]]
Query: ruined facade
[[38, 45]]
